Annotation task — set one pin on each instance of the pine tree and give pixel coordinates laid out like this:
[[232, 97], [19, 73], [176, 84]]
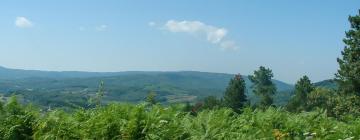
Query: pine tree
[[1, 107], [302, 88], [263, 86], [348, 76], [150, 98], [235, 97]]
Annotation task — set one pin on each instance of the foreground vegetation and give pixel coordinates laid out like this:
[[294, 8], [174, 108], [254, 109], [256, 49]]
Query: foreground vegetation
[[145, 121]]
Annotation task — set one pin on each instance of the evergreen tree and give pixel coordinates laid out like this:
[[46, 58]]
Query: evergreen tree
[[211, 102], [263, 86], [1, 107], [302, 88], [150, 98], [348, 76], [187, 107], [235, 97]]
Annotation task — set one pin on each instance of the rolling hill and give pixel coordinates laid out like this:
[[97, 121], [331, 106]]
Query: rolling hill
[[48, 88]]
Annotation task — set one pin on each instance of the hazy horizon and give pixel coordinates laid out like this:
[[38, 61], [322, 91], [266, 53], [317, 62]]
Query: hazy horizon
[[146, 71], [293, 38]]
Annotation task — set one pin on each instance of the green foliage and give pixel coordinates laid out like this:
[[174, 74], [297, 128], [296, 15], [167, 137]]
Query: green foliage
[[348, 75], [137, 122], [302, 88], [263, 86], [151, 98], [320, 98], [187, 107], [211, 102], [345, 106], [17, 121], [57, 125], [235, 97], [337, 105]]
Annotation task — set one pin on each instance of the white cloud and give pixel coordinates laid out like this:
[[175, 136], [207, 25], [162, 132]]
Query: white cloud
[[151, 24], [101, 28], [216, 35], [23, 22], [212, 34]]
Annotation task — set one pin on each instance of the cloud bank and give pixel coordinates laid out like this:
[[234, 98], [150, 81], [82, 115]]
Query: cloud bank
[[212, 34], [23, 22]]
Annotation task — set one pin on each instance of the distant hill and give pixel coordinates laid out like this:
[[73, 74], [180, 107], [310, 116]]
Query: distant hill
[[6, 73], [58, 89], [330, 83]]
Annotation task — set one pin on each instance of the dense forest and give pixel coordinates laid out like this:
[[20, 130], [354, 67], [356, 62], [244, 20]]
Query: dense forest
[[313, 112]]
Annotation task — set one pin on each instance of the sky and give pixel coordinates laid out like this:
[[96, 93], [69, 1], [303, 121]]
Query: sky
[[293, 38]]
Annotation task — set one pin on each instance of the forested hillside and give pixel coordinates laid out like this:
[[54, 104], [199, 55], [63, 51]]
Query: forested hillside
[[170, 87]]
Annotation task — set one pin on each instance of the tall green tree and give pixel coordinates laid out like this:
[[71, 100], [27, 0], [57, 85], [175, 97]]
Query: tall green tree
[[348, 75], [1, 107], [235, 97], [263, 86], [151, 98], [302, 88]]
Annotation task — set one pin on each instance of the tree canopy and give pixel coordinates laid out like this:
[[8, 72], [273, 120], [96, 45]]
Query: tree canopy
[[348, 75], [234, 96], [263, 86], [302, 88]]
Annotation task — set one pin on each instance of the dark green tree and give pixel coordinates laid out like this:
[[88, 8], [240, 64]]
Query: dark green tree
[[321, 98], [151, 98], [211, 102], [1, 107], [263, 86], [348, 75], [187, 107], [302, 88], [235, 97]]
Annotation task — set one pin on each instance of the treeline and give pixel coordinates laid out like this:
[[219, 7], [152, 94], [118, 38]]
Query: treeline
[[235, 94], [340, 102]]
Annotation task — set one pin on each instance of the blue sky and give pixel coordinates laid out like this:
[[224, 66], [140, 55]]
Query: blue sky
[[293, 38]]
